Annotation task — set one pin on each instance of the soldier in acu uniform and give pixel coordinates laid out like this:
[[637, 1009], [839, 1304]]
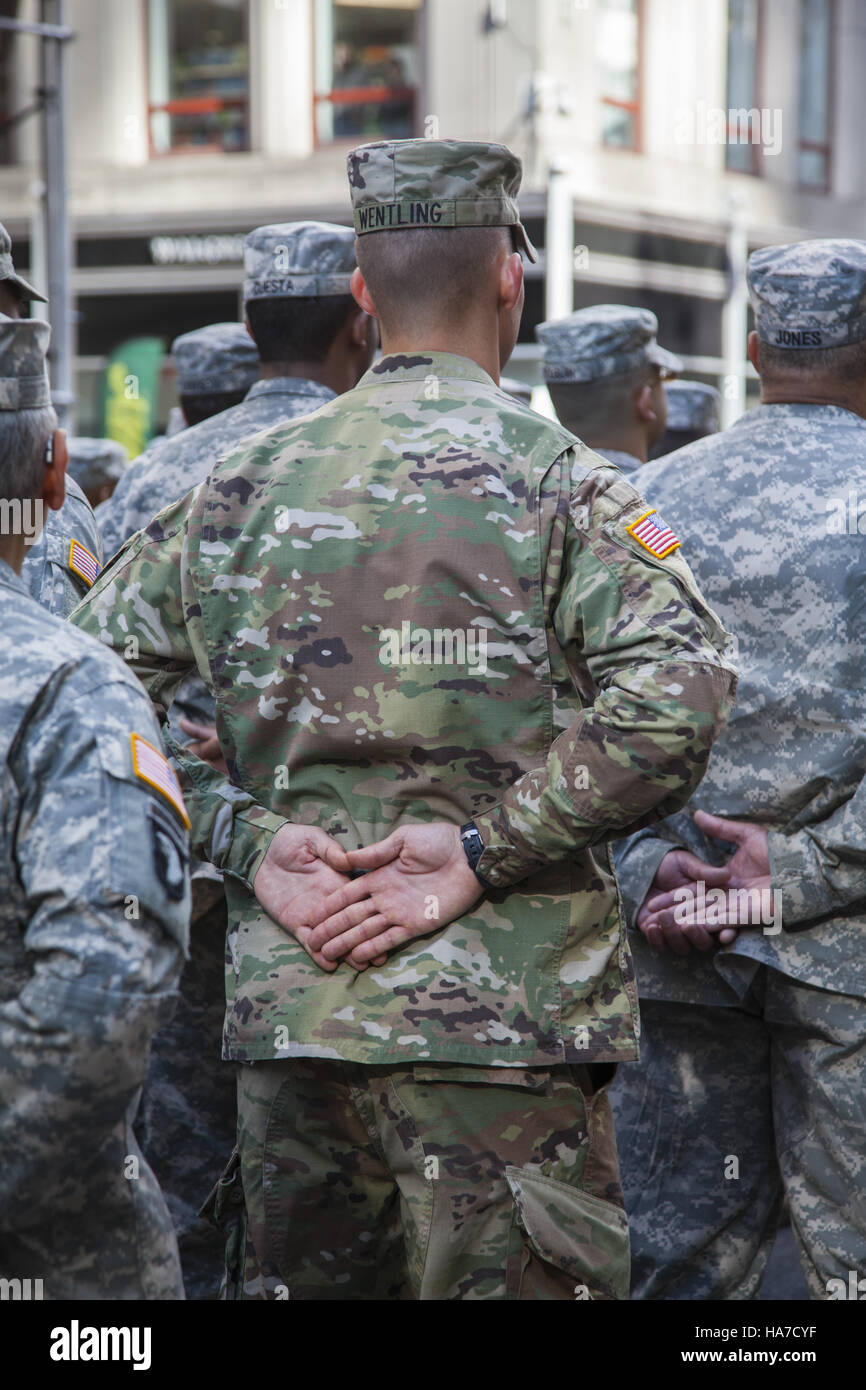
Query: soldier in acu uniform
[[97, 465], [426, 1116], [605, 372], [94, 907], [751, 1081], [692, 413]]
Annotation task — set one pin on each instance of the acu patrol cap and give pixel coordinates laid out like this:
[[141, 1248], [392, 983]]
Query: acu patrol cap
[[602, 341], [93, 462], [219, 357], [290, 259], [692, 406], [809, 294], [399, 184], [23, 370], [8, 271]]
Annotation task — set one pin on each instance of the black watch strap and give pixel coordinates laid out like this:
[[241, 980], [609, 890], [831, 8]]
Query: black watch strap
[[473, 845]]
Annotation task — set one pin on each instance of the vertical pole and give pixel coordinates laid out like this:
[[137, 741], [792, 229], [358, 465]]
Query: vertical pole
[[735, 321], [57, 242], [559, 246]]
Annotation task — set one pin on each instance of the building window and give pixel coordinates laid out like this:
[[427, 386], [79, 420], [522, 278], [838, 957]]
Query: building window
[[199, 76], [618, 54], [813, 106], [366, 69], [744, 23]]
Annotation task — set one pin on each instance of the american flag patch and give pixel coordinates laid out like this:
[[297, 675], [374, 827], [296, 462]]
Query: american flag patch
[[82, 563], [653, 534], [151, 766]]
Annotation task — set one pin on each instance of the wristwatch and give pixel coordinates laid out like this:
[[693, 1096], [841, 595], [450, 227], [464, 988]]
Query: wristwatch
[[473, 847]]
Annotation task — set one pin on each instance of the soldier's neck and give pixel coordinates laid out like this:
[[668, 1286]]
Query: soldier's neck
[[625, 441], [475, 343], [786, 393], [13, 549]]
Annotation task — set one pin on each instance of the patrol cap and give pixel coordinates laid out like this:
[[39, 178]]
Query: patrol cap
[[298, 258], [520, 390], [399, 184], [23, 370], [219, 357], [692, 406], [809, 294], [8, 271], [93, 462], [604, 340]]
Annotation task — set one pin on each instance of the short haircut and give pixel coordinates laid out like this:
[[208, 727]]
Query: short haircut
[[589, 408], [24, 435], [202, 405], [845, 364], [428, 274], [298, 328]]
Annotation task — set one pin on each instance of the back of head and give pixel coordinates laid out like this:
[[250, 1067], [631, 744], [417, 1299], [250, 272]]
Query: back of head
[[809, 302], [296, 288]]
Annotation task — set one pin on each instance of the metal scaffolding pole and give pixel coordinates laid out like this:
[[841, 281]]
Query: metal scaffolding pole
[[57, 236]]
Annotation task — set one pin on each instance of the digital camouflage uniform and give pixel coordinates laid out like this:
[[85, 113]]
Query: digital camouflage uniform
[[8, 271], [66, 557], [427, 496], [94, 906], [600, 342], [757, 1050], [693, 411], [95, 463], [190, 1091]]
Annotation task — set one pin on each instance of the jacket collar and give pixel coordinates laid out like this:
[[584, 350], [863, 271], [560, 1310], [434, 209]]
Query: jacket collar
[[417, 366]]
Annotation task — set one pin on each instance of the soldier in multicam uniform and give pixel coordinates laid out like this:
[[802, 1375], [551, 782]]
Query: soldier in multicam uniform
[[314, 341], [605, 372], [751, 1081], [94, 905], [692, 413], [97, 465], [426, 1116]]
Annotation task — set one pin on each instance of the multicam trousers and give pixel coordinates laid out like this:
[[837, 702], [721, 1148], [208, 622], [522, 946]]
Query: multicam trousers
[[423, 1182], [729, 1108]]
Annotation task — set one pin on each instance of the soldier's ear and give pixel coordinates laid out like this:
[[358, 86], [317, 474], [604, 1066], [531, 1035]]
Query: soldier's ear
[[510, 281], [358, 286], [643, 403], [753, 350], [54, 482]]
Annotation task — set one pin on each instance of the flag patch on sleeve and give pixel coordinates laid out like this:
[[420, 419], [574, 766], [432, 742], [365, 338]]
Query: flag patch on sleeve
[[82, 563], [152, 767], [652, 533]]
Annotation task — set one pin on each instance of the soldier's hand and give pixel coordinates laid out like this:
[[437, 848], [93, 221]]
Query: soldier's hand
[[661, 915], [205, 743], [417, 880], [302, 867]]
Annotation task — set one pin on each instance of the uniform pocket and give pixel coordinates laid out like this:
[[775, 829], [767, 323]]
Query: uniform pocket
[[224, 1208], [572, 1244]]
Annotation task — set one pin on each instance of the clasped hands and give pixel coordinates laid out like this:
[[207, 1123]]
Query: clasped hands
[[681, 912], [414, 882]]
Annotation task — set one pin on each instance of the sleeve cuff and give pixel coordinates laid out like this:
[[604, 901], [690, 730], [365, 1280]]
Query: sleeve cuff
[[252, 833]]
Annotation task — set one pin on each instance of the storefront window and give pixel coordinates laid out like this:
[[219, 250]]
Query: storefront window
[[618, 54], [366, 69], [199, 76]]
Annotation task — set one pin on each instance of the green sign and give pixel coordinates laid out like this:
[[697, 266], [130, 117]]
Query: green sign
[[129, 393]]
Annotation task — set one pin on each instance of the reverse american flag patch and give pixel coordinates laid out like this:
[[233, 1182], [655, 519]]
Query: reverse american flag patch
[[151, 766], [82, 563], [653, 534]]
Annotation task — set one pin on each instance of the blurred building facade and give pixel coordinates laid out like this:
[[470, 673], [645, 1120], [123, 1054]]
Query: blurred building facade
[[673, 135]]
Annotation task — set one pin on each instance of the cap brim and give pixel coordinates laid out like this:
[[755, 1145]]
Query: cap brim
[[668, 361], [524, 242], [26, 288]]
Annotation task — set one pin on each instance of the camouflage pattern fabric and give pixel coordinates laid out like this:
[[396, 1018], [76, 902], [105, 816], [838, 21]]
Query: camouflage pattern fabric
[[94, 908], [809, 294], [423, 1182], [692, 406], [398, 184], [95, 462], [590, 705], [56, 572], [602, 341], [218, 357], [783, 566], [728, 1108], [187, 1119], [298, 259], [8, 271]]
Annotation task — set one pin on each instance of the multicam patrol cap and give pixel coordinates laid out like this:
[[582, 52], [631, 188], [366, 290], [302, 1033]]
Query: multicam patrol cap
[[219, 357], [399, 184], [8, 271], [692, 406], [95, 462], [23, 370], [809, 294], [604, 340], [298, 258]]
